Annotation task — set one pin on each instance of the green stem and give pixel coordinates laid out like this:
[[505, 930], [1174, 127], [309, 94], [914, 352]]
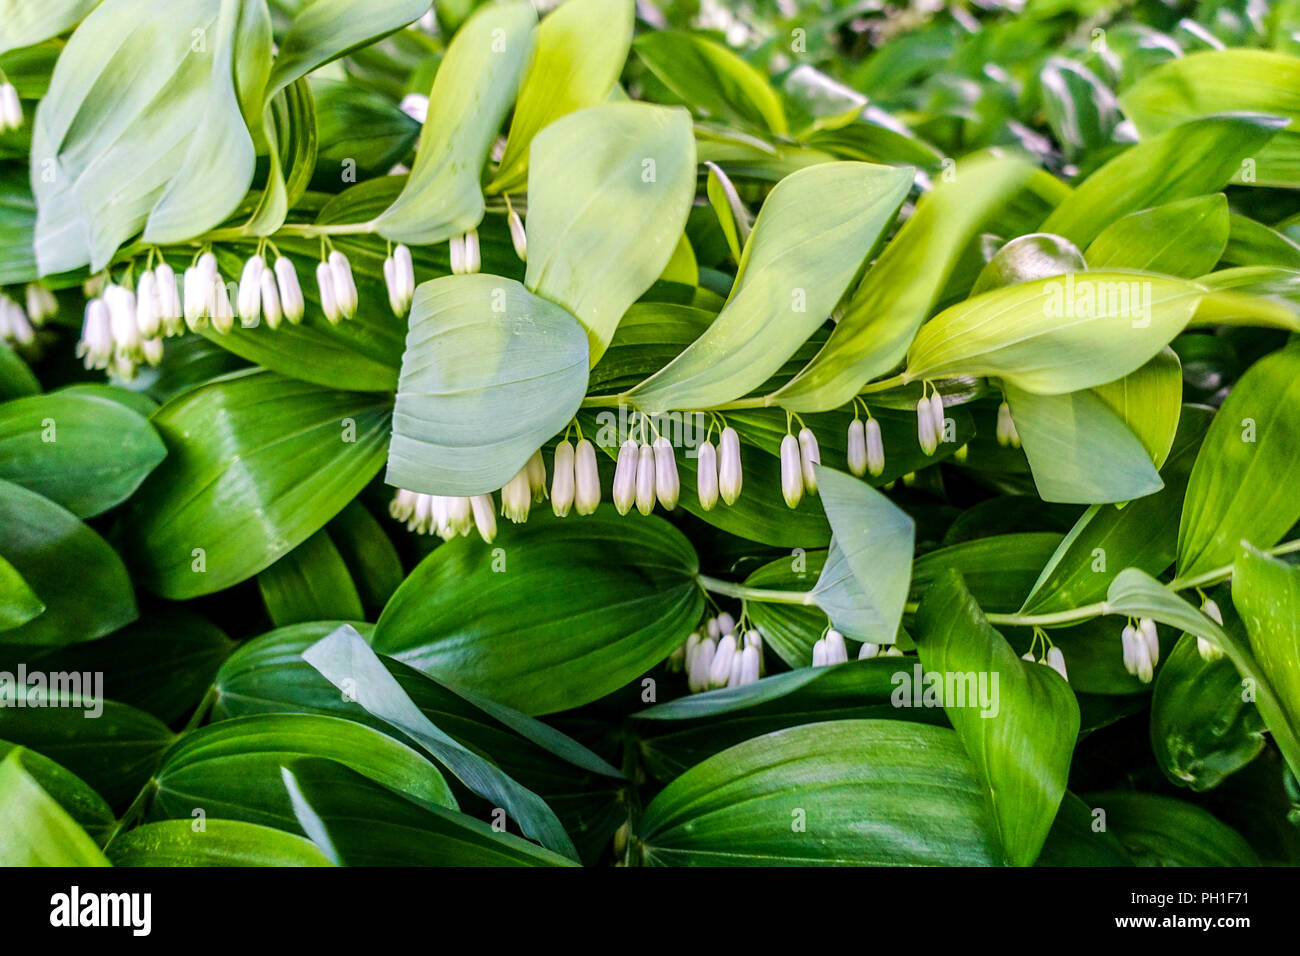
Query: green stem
[[728, 589]]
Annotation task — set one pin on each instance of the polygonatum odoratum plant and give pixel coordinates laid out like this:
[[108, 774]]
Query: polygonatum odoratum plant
[[661, 433]]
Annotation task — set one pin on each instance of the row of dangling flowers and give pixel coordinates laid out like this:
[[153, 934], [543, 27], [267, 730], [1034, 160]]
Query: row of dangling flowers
[[645, 472]]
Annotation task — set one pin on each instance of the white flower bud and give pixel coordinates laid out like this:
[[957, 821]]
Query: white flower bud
[[726, 623], [706, 476], [1006, 429], [96, 345], [836, 652], [1211, 610], [925, 435], [394, 293], [1152, 638], [345, 287], [791, 471], [472, 261], [11, 107], [271, 308], [667, 483], [937, 414], [562, 479], [1056, 661], [41, 303], [518, 236], [536, 469], [1134, 650], [750, 666], [485, 518], [415, 105], [403, 505], [720, 671], [712, 627], [893, 650], [645, 480], [456, 253], [169, 300], [1028, 656], [819, 653], [196, 299], [730, 478], [121, 311], [152, 350], [700, 665], [249, 298], [291, 300], [868, 650], [809, 455], [405, 273], [329, 302], [460, 515], [875, 448], [223, 316], [857, 448], [625, 477], [1209, 652], [586, 478], [14, 325], [517, 497]]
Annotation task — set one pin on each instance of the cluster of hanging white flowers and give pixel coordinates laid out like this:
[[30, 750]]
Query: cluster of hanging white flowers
[[11, 108], [443, 515], [798, 456], [1052, 656], [122, 327], [1210, 652], [720, 657], [646, 472], [1141, 649], [1007, 435]]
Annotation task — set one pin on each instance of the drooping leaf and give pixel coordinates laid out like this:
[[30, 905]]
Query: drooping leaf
[[345, 659], [792, 272], [491, 371], [24, 24], [864, 584], [474, 87], [580, 52], [902, 287], [609, 190], [1056, 335], [1017, 720], [1242, 486]]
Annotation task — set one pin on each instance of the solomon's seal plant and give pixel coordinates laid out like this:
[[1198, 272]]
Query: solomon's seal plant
[[499, 435]]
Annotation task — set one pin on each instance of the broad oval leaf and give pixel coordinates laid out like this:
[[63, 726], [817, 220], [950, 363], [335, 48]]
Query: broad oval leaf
[[1162, 831], [588, 604], [882, 792], [1184, 238], [257, 463], [83, 452], [39, 832], [491, 371]]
